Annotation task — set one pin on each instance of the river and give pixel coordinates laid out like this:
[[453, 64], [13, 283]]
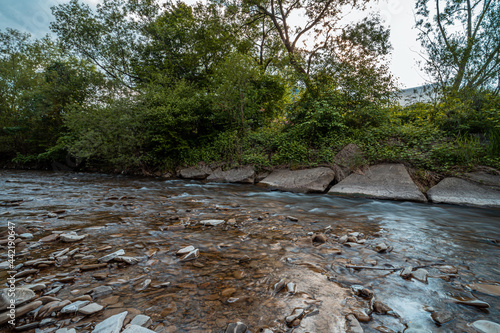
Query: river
[[266, 237]]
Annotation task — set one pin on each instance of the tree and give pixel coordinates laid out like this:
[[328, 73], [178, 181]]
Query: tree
[[462, 42], [321, 37]]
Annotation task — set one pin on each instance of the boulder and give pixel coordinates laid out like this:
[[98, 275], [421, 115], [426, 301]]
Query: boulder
[[240, 175], [462, 192], [383, 181], [306, 181], [200, 172], [346, 160]]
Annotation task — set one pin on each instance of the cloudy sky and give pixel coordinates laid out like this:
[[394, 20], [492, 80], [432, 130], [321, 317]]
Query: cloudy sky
[[34, 16]]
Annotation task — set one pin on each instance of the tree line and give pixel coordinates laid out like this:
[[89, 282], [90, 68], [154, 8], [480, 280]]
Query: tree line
[[148, 86]]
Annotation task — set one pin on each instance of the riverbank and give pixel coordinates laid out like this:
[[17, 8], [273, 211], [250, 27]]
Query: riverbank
[[274, 261]]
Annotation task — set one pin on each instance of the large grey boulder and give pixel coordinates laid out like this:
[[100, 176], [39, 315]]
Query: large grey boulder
[[200, 172], [240, 175], [383, 181], [346, 160], [462, 192], [306, 181], [484, 178]]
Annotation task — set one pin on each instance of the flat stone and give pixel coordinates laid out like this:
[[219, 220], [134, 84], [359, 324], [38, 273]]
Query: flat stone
[[22, 295], [441, 317], [36, 286], [66, 330], [90, 309], [486, 326], [5, 265], [26, 235], [212, 222], [74, 307], [20, 311], [111, 256], [314, 180], [141, 320], [127, 260], [190, 256], [137, 329], [490, 289], [50, 238], [244, 175], [201, 172], [185, 250], [462, 192], [71, 237], [101, 291], [111, 325], [383, 181], [484, 178]]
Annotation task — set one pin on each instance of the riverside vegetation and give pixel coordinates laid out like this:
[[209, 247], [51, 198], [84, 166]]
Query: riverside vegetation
[[139, 87]]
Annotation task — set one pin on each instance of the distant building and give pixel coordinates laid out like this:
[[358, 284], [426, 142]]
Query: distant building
[[426, 93]]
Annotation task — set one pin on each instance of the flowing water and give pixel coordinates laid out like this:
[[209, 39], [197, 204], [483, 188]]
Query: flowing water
[[241, 261]]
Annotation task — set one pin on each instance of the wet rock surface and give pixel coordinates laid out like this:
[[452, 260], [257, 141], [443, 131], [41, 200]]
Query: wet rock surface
[[271, 262], [462, 192], [306, 181]]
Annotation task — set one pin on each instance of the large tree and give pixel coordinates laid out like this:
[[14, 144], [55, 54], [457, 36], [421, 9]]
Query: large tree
[[462, 42]]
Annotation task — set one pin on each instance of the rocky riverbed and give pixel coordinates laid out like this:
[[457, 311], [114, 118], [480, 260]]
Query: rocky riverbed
[[99, 253]]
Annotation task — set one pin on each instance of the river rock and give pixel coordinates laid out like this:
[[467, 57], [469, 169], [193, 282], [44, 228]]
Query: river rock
[[74, 307], [190, 256], [50, 238], [111, 256], [127, 260], [319, 238], [101, 291], [305, 181], [4, 265], [91, 308], [71, 237], [137, 329], [406, 272], [462, 192], [380, 307], [212, 223], [141, 320], [361, 315], [296, 314], [66, 330], [384, 181], [361, 291], [420, 275], [486, 326], [353, 325], [22, 295], [346, 160], [185, 250], [240, 175], [20, 311], [200, 172], [473, 302], [490, 289], [238, 327], [441, 317], [36, 286], [111, 325], [381, 247], [26, 235]]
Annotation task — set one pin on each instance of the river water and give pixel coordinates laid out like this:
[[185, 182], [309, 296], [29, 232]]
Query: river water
[[240, 261]]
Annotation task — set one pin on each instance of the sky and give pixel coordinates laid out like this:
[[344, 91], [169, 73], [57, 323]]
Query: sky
[[34, 16]]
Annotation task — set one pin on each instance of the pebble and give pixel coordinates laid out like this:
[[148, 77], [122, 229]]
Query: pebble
[[74, 307], [185, 250], [319, 238], [137, 329], [112, 324], [101, 291], [111, 256], [91, 308], [361, 315], [296, 314], [22, 295], [127, 260], [71, 237], [26, 236], [293, 219], [473, 302], [441, 317], [212, 223], [228, 292], [190, 256], [238, 327], [381, 247], [20, 311], [141, 320], [380, 307], [420, 275], [49, 238], [362, 291], [406, 273], [353, 325], [485, 326]]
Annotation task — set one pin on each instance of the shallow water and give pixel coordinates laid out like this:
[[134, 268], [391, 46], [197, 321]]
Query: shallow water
[[251, 256]]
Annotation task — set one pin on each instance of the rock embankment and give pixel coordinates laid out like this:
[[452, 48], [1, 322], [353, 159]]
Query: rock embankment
[[383, 181]]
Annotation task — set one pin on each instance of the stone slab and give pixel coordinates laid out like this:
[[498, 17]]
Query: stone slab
[[244, 175], [462, 192], [314, 180], [383, 181]]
